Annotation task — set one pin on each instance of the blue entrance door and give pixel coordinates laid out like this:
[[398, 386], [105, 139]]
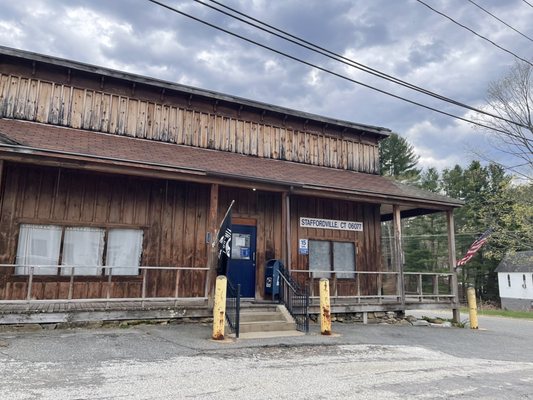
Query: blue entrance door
[[241, 269]]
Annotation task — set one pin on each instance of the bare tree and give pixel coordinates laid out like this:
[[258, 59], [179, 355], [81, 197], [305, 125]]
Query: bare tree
[[511, 98]]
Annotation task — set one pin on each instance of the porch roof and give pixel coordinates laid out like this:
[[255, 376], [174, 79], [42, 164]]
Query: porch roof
[[31, 138]]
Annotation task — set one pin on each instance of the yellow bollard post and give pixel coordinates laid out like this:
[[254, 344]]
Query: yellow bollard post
[[472, 307], [219, 308], [325, 309]]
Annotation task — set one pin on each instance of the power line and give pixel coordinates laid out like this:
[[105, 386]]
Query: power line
[[503, 22], [322, 68], [347, 61], [528, 3], [474, 32]]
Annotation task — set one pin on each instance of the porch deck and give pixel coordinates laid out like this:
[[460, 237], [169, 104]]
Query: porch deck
[[55, 311], [388, 291]]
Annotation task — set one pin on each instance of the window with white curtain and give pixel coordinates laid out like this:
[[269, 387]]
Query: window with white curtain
[[83, 249], [332, 256], [124, 248], [344, 259], [320, 258], [38, 246]]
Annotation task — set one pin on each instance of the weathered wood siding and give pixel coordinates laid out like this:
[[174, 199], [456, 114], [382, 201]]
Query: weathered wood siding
[[176, 122], [263, 210], [172, 215], [367, 242]]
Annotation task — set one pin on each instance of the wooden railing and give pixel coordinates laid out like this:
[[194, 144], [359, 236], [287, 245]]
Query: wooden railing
[[374, 287], [107, 281], [428, 286]]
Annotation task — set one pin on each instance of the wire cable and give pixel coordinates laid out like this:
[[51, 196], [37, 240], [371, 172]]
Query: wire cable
[[474, 32], [503, 22], [289, 56], [528, 3], [347, 61]]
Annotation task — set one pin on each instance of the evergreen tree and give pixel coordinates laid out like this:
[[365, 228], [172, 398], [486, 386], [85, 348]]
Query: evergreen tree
[[398, 159]]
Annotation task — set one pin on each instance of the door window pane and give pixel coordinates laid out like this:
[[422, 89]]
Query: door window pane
[[83, 249], [344, 259], [124, 249], [38, 246], [240, 246], [320, 258]]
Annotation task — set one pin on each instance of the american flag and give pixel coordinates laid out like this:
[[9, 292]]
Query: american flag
[[478, 243]]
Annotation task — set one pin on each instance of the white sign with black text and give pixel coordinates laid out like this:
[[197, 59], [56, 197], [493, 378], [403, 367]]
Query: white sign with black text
[[321, 223]]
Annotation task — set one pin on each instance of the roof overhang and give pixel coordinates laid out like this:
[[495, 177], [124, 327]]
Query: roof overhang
[[30, 142]]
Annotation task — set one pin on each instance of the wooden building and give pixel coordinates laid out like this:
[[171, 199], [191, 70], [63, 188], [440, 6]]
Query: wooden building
[[113, 186]]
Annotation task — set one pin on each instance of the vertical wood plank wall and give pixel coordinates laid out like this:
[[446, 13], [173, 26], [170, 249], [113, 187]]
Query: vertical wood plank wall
[[367, 242], [173, 216], [61, 104]]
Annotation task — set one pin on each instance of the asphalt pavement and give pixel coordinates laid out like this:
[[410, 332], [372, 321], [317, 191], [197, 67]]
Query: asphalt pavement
[[359, 361]]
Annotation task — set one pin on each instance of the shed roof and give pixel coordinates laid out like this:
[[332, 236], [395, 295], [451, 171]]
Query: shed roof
[[24, 138], [520, 261]]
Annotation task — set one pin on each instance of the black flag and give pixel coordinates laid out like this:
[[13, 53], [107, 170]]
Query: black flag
[[224, 243]]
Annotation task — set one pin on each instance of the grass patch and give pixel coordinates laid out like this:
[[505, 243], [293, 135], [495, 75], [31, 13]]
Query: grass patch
[[503, 313]]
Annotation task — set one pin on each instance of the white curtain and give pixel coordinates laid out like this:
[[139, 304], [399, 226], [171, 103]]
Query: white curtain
[[38, 246], [83, 249], [124, 248], [320, 258], [344, 259]]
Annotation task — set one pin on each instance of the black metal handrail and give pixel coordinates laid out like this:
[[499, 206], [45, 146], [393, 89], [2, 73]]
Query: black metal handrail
[[233, 307], [295, 298]]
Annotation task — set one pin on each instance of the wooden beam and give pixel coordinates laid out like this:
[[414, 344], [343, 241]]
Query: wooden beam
[[286, 226], [1, 181], [398, 251], [452, 262], [138, 170], [371, 198], [211, 251]]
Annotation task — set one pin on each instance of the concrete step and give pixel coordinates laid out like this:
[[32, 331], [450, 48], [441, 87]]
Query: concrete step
[[267, 326], [267, 335], [260, 308], [266, 318], [258, 316]]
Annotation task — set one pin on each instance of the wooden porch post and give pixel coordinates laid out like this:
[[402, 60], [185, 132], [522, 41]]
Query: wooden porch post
[[286, 227], [399, 251], [1, 181], [452, 261], [212, 251]]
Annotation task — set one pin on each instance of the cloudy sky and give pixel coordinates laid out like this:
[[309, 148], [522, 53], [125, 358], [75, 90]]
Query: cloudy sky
[[402, 38]]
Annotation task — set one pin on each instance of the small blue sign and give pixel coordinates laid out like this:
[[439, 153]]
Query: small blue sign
[[303, 246], [245, 252]]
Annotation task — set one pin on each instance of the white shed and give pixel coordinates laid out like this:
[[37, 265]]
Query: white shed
[[515, 280]]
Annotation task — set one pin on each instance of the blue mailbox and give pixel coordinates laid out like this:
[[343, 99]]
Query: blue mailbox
[[272, 277]]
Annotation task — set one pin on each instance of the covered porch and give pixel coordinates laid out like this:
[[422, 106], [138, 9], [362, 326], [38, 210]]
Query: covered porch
[[151, 185]]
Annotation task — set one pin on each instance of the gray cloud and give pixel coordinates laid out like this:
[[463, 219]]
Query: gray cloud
[[401, 37]]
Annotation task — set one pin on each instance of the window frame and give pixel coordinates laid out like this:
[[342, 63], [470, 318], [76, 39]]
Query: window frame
[[103, 269], [337, 274]]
